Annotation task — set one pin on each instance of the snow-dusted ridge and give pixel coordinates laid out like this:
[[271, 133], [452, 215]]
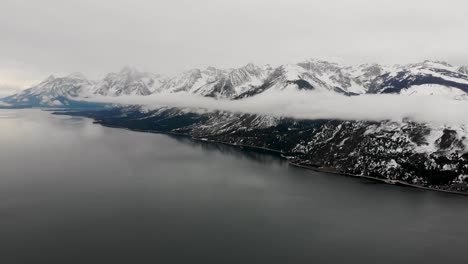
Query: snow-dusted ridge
[[129, 81], [425, 78]]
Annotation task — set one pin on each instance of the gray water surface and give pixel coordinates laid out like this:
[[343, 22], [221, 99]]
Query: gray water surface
[[75, 192]]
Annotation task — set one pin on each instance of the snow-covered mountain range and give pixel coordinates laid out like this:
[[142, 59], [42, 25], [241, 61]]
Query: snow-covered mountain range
[[423, 78], [429, 152]]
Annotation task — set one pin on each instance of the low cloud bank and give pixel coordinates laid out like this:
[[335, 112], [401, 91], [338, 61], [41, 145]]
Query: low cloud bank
[[317, 105]]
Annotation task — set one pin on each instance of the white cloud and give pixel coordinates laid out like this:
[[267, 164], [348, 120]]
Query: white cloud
[[318, 105]]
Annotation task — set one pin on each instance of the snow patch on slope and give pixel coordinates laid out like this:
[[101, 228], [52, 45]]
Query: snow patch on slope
[[432, 89]]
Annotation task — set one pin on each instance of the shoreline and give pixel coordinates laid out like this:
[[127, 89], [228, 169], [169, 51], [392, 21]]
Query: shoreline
[[282, 154], [386, 181]]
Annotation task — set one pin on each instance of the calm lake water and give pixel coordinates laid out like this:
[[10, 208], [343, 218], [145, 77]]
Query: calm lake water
[[75, 192]]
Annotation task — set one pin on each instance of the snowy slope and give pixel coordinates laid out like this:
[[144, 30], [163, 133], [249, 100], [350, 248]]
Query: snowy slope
[[425, 73], [348, 79], [52, 91], [463, 70], [218, 83], [432, 89]]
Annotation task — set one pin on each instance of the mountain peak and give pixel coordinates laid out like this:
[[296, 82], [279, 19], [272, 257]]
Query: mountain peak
[[463, 70], [290, 71], [76, 75], [434, 62], [127, 70], [192, 72], [319, 61], [49, 79], [250, 66], [212, 70]]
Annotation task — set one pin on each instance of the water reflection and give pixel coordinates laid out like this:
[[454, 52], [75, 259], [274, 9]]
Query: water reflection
[[234, 151], [75, 192]]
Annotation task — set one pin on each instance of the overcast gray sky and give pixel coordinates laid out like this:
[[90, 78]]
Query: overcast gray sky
[[43, 37]]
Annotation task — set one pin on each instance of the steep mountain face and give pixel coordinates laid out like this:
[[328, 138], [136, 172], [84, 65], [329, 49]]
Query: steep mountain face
[[363, 76], [248, 77], [396, 152], [463, 70], [251, 80], [285, 77], [130, 82], [184, 82], [426, 78], [351, 80], [422, 78], [52, 92], [218, 83]]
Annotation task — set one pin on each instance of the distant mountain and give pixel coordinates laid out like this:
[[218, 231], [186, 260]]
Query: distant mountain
[[425, 78], [218, 83], [321, 75], [352, 80], [463, 70], [129, 81], [52, 92]]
